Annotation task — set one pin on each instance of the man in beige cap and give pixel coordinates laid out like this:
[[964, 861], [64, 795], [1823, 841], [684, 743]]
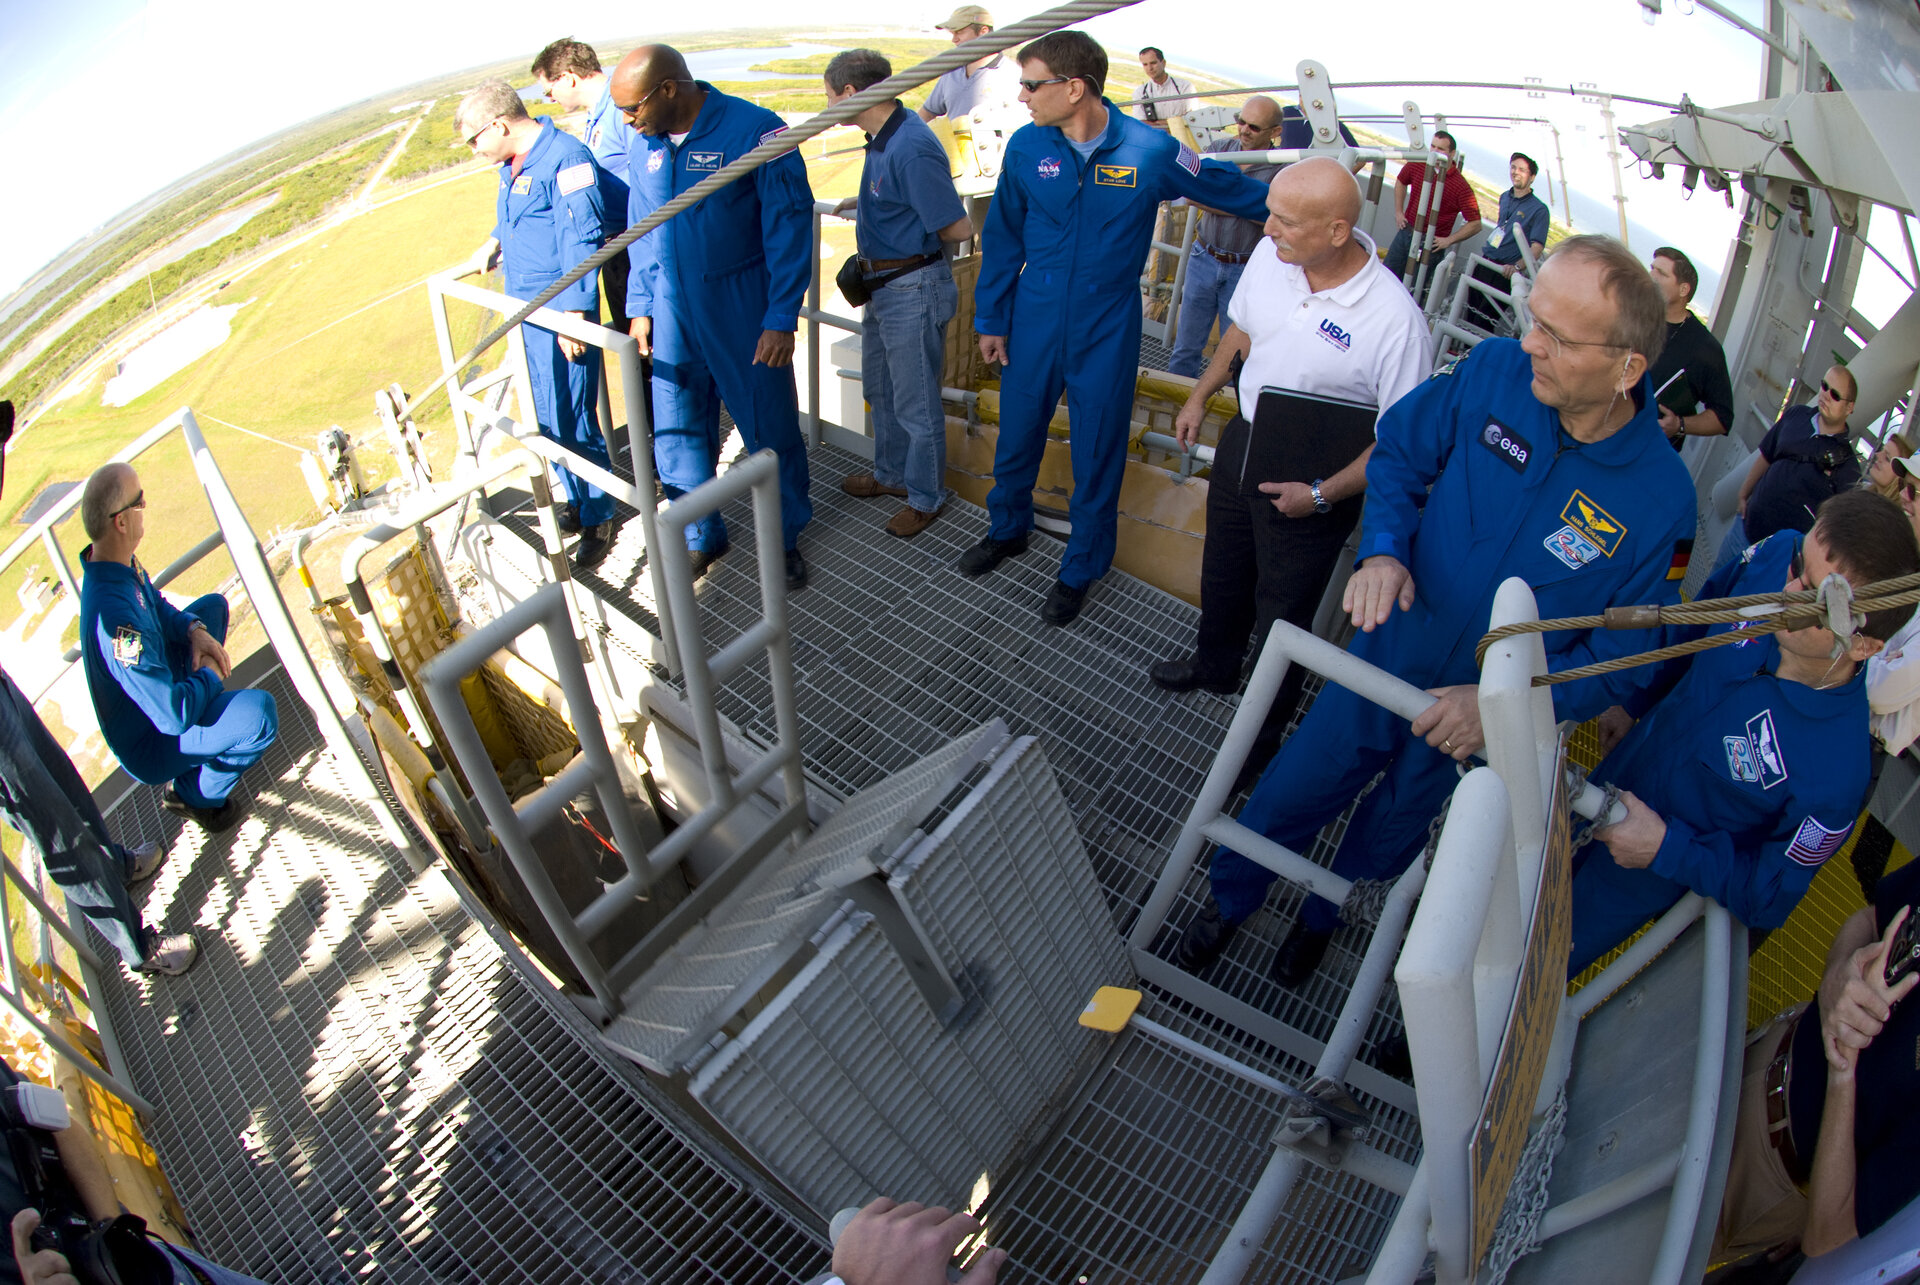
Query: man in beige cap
[[993, 81]]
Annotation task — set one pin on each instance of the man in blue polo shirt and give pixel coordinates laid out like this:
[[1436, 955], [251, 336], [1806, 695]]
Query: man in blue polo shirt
[[907, 209], [568, 73], [1519, 205], [1058, 301], [715, 293], [1806, 457], [547, 219]]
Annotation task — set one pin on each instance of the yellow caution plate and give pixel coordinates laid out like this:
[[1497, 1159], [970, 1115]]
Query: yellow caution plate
[[1110, 1008]]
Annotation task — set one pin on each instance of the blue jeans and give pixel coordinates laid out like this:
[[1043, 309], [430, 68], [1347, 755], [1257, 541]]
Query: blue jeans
[[1204, 298], [206, 1269], [902, 349], [43, 797], [1398, 251], [206, 761]]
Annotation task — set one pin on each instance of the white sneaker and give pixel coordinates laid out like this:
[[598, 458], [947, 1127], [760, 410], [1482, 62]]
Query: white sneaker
[[169, 954], [147, 857]]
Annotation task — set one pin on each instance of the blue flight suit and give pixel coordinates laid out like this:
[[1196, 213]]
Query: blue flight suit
[[1758, 778], [548, 217], [162, 720], [1060, 280], [1586, 525], [610, 139], [712, 279]]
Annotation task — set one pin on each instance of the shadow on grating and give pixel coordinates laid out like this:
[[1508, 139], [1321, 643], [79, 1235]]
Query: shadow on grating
[[357, 1084]]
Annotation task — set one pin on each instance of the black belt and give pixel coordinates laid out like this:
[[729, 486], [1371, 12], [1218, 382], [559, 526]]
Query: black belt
[[1223, 256], [1779, 1126], [872, 266]]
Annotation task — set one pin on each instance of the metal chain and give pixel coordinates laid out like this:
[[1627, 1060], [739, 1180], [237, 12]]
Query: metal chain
[[1526, 1203], [1366, 899]]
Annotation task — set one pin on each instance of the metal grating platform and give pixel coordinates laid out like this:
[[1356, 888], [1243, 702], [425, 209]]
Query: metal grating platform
[[356, 1083]]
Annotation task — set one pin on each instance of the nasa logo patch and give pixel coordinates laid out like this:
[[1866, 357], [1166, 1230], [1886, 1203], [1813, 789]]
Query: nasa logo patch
[[127, 645], [1049, 167], [655, 161]]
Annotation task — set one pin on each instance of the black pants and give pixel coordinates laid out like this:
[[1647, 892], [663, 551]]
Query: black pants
[[1258, 567], [1482, 311]]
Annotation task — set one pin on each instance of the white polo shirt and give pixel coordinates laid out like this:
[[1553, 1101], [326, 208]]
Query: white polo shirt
[[1364, 341]]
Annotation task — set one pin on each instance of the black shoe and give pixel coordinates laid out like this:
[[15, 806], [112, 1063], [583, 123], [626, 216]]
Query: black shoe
[[1298, 956], [990, 553], [1187, 675], [212, 820], [702, 560], [1393, 1057], [796, 570], [1063, 603], [568, 519], [596, 542], [1205, 939]]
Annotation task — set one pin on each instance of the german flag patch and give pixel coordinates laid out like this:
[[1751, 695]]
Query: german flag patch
[[1682, 555]]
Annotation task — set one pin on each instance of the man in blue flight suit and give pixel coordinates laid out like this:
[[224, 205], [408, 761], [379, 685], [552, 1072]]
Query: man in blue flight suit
[[1748, 764], [1543, 460], [715, 292], [568, 72], [547, 219], [157, 674], [1058, 300]]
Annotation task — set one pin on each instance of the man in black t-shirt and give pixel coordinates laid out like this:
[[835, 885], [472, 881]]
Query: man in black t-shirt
[[1695, 394], [1829, 1117], [1806, 457]]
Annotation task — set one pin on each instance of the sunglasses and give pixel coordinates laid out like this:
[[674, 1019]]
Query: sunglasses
[[1833, 392], [139, 502], [475, 136], [1035, 86], [1244, 123]]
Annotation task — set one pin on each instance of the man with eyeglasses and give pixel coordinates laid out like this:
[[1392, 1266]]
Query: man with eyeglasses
[[715, 292], [568, 73], [548, 216], [1223, 244], [157, 674], [1747, 765], [1805, 457], [1058, 299], [993, 81], [1540, 459]]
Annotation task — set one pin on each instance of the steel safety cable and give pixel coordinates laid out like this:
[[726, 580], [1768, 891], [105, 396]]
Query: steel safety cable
[[996, 41], [1759, 614]]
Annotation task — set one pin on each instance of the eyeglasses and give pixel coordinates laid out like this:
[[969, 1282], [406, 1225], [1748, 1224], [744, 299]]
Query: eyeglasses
[[1560, 343], [1035, 86], [139, 502], [1244, 123], [475, 136], [1797, 566], [1833, 392]]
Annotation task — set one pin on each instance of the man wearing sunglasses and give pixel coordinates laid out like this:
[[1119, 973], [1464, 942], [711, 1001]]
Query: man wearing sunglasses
[[1807, 456], [1748, 763], [715, 292], [1541, 459], [548, 216], [1058, 299], [1223, 245], [158, 674]]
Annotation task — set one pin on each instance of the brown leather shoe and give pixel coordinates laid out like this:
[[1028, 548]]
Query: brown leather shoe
[[865, 486], [909, 521]]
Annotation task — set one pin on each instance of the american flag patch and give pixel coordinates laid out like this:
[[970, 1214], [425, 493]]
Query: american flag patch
[[772, 134], [1187, 160], [575, 177], [1813, 843]]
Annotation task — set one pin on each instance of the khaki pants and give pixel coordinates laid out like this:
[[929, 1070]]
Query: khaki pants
[[1762, 1207]]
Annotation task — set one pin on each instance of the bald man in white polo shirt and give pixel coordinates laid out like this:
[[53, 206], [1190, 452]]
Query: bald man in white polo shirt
[[1315, 313]]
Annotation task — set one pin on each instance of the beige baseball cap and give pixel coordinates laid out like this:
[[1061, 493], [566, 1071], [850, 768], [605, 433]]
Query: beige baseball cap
[[967, 15]]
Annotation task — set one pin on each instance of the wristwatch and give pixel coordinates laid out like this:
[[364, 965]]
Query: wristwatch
[[1320, 504]]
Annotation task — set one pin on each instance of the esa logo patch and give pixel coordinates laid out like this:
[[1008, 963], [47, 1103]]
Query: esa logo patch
[[706, 160], [1571, 547], [127, 645], [1594, 522], [654, 161], [1049, 167], [1114, 175], [523, 185], [1339, 338], [1512, 449], [1757, 757]]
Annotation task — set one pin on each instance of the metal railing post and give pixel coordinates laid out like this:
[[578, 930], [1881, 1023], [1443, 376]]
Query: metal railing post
[[813, 330]]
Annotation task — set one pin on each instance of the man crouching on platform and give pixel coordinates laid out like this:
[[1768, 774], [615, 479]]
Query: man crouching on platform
[[157, 674]]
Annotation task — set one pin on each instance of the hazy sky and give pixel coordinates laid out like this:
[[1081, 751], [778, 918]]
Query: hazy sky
[[113, 99]]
